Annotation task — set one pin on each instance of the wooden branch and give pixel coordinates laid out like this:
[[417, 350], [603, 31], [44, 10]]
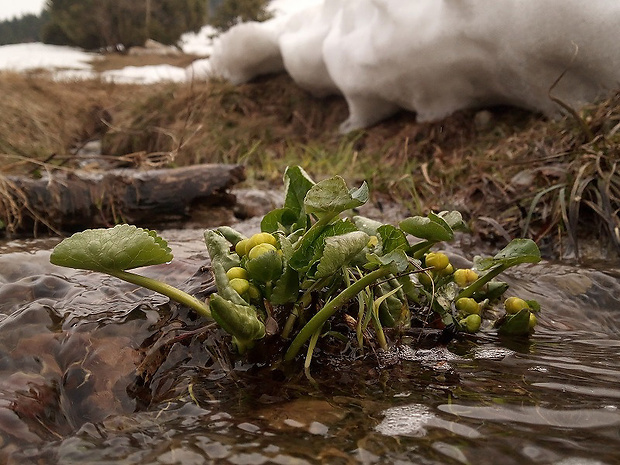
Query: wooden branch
[[68, 201]]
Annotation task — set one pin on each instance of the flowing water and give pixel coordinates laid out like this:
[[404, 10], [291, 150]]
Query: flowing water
[[70, 342]]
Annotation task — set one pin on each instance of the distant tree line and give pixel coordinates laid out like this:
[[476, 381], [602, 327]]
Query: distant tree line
[[224, 14], [94, 24], [27, 28]]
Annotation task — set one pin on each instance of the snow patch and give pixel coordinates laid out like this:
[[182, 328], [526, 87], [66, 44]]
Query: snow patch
[[434, 57], [24, 57]]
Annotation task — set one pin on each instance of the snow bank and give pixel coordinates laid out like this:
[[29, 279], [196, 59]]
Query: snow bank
[[288, 7], [198, 43], [23, 57], [434, 57]]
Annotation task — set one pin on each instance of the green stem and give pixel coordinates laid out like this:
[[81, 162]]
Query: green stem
[[315, 230], [290, 321], [419, 249], [477, 284], [332, 307], [379, 331], [300, 305], [165, 289]]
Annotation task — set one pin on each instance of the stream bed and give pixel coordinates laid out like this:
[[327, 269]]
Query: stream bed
[[70, 392]]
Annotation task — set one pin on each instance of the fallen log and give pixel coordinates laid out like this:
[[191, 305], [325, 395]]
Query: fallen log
[[75, 200]]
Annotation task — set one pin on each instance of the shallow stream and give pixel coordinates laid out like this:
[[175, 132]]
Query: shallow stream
[[70, 342]]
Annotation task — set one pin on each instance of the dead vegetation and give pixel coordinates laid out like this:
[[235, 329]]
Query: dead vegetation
[[511, 173]]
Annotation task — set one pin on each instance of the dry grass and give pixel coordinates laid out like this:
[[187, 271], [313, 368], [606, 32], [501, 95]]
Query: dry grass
[[510, 172], [119, 61]]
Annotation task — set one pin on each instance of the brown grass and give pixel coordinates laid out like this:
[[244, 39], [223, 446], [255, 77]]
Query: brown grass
[[511, 173], [118, 61]]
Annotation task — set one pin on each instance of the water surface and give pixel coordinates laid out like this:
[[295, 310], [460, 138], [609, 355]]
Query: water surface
[[70, 393]]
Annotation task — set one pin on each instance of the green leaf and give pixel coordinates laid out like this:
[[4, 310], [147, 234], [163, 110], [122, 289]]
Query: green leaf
[[122, 247], [339, 251], [367, 225], [311, 245], [266, 267], [432, 228], [492, 291], [517, 324], [534, 305], [297, 183], [454, 219], [238, 320], [219, 250], [392, 238], [272, 221], [397, 259], [387, 306], [232, 235], [516, 252], [286, 288], [331, 197]]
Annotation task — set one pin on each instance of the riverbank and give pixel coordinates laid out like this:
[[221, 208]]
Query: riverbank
[[511, 173]]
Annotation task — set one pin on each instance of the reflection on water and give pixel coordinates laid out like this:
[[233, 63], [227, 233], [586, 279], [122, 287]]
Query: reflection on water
[[95, 371]]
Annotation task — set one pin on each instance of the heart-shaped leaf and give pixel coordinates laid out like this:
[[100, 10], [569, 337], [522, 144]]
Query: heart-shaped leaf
[[122, 247], [339, 250], [516, 252], [273, 220], [331, 197], [297, 183], [312, 243], [392, 238]]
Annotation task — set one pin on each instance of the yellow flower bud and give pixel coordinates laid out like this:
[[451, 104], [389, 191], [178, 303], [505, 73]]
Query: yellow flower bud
[[464, 277], [237, 272], [437, 260], [260, 249], [468, 306], [261, 238], [515, 305], [240, 285]]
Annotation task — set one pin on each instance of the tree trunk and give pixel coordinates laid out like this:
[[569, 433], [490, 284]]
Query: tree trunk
[[69, 201]]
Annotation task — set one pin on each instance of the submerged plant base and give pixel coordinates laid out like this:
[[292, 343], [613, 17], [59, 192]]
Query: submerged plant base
[[312, 275]]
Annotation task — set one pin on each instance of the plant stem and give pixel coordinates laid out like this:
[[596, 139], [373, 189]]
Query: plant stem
[[165, 289], [477, 284], [332, 307], [421, 248], [290, 321], [379, 331]]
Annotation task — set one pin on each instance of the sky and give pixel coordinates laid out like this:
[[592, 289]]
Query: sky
[[12, 8]]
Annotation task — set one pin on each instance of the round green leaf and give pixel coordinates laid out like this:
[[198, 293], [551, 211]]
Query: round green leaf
[[114, 249]]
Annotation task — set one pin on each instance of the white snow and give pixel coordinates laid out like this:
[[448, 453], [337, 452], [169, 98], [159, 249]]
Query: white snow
[[23, 57], [67, 63], [199, 43], [434, 57], [287, 7]]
